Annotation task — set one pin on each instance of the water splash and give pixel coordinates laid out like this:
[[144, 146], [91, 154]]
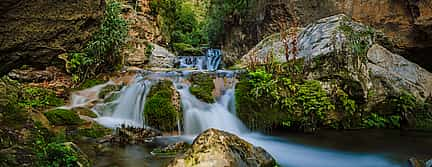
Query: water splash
[[130, 107]]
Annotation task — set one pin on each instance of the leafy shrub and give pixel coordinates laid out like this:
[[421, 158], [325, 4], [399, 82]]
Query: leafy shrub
[[63, 117], [101, 52], [303, 105]]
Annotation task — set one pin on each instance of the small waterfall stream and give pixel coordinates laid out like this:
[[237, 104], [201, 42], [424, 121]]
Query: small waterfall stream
[[210, 61]]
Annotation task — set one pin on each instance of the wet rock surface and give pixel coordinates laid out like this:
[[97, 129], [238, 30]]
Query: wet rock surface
[[131, 135], [218, 148]]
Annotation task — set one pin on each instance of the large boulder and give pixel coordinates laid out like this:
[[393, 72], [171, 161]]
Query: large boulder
[[36, 32], [336, 46], [349, 57], [407, 22], [219, 148], [161, 57]]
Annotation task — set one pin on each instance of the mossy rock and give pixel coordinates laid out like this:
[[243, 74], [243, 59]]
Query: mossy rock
[[187, 49], [202, 87], [84, 111], [11, 114], [95, 131], [63, 117], [159, 111], [258, 114], [108, 90], [90, 83], [39, 98]]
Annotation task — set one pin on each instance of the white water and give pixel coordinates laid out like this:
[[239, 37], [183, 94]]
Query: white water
[[210, 61], [200, 116], [130, 106]]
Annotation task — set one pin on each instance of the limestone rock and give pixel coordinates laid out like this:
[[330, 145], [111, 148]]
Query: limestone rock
[[398, 73], [408, 23], [35, 32], [161, 57], [218, 148]]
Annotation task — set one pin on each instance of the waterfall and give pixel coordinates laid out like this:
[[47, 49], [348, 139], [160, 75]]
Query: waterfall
[[210, 61], [130, 107], [192, 62], [214, 58], [200, 116]]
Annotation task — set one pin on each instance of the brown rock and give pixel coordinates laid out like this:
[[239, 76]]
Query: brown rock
[[35, 32], [218, 148]]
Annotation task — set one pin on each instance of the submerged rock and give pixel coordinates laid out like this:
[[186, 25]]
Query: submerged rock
[[131, 135], [218, 148]]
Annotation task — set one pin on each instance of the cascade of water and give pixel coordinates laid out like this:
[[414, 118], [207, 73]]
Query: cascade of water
[[214, 58], [199, 116], [130, 105], [192, 62]]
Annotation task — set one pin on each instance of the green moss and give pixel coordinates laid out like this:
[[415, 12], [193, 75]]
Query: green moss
[[202, 87], [187, 49], [35, 97], [63, 117], [159, 111], [107, 90], [95, 131], [90, 83], [85, 112]]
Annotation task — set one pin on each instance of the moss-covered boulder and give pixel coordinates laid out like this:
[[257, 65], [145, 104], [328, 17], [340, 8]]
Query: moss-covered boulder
[[11, 114], [85, 112], [63, 117], [202, 87], [218, 148], [39, 98], [160, 111]]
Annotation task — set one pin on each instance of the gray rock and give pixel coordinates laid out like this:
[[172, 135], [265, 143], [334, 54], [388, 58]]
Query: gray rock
[[161, 57]]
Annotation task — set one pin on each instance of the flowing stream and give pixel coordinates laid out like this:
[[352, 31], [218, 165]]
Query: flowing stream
[[199, 116]]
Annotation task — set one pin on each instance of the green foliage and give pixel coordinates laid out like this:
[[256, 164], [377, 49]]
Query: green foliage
[[35, 97], [219, 12], [159, 110], [63, 117], [405, 103], [186, 49], [375, 121], [202, 87], [101, 52], [313, 102], [303, 105], [180, 24], [359, 40]]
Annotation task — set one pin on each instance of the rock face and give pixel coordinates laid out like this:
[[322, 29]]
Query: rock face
[[343, 54], [161, 57], [35, 32], [218, 148], [409, 23]]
